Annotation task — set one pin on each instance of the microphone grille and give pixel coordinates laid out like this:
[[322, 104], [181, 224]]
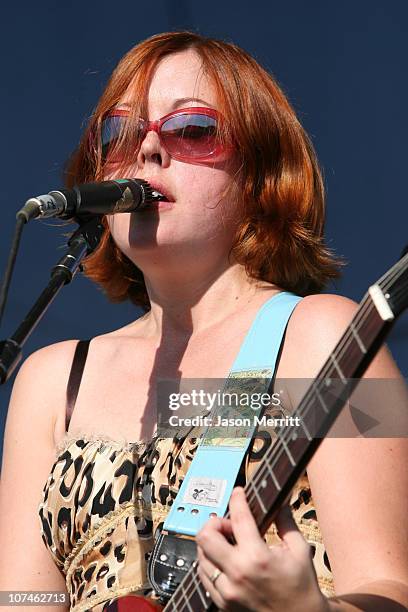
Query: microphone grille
[[150, 194]]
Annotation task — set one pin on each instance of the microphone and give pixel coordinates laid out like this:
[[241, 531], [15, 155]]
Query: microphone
[[105, 197]]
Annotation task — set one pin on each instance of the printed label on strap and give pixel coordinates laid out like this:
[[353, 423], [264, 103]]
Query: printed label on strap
[[205, 491]]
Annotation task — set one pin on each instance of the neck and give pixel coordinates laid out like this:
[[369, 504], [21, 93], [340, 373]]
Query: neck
[[192, 303]]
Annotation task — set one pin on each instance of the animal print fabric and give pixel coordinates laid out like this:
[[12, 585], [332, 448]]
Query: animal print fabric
[[104, 499]]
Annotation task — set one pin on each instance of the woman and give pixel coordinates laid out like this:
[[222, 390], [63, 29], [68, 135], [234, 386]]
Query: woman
[[238, 225]]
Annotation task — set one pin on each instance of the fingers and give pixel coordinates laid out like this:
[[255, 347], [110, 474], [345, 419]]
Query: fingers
[[242, 522], [289, 532], [252, 574], [226, 529], [206, 570], [214, 536], [214, 543]]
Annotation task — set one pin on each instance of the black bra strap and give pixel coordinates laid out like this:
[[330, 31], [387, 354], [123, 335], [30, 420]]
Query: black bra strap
[[75, 377]]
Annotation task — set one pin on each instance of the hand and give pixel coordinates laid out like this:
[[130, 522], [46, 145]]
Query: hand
[[254, 576]]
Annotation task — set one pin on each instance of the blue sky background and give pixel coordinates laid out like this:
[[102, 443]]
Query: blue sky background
[[342, 65]]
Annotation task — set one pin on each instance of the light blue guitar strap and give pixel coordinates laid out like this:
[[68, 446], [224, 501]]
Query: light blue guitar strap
[[208, 485]]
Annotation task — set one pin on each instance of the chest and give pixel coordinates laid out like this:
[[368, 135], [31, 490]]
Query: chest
[[128, 383], [122, 385]]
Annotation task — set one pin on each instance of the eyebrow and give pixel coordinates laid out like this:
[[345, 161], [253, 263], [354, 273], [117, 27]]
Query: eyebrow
[[180, 101], [176, 103]]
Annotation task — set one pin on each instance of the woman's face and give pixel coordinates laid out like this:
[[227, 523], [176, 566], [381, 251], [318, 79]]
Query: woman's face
[[200, 221]]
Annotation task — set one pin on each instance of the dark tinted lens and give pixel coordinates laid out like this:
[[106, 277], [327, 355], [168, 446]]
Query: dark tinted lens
[[110, 131], [116, 148], [193, 135]]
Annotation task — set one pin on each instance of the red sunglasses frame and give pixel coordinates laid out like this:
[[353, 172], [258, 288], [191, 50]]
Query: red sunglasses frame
[[220, 150]]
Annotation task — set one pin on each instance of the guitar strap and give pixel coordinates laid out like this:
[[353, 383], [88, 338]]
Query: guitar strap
[[208, 485]]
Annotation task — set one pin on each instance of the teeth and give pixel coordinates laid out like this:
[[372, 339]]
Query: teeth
[[158, 195]]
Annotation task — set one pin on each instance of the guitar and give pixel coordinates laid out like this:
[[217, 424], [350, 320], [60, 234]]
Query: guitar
[[286, 460]]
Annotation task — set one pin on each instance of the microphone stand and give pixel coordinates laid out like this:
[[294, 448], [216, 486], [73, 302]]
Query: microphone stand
[[82, 242]]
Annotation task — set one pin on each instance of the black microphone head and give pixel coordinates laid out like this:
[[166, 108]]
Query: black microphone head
[[150, 195]]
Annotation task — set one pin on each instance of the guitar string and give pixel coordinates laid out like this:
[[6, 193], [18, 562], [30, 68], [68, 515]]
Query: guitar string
[[402, 292], [363, 310], [389, 277]]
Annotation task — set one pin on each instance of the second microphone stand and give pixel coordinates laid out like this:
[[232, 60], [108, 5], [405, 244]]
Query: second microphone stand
[[82, 242]]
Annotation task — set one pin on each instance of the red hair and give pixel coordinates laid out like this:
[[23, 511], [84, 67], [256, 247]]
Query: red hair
[[280, 237]]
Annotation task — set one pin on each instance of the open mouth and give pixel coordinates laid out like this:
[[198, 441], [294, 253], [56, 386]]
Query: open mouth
[[160, 191], [160, 196]]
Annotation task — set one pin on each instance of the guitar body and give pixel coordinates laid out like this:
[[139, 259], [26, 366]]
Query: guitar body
[[132, 603]]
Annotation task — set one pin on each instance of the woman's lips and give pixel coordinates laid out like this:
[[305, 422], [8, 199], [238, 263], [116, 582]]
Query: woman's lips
[[162, 189], [157, 205]]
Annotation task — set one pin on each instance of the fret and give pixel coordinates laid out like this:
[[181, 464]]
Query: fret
[[286, 448], [357, 338], [198, 587], [338, 368], [185, 597], [172, 603], [305, 429], [254, 489], [370, 326], [270, 470], [321, 400]]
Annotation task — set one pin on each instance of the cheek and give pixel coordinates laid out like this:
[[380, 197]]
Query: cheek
[[208, 191], [206, 199], [119, 228]]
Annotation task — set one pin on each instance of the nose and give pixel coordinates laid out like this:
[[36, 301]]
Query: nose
[[152, 151]]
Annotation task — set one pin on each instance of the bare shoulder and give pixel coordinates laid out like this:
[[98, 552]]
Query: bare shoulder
[[47, 367], [52, 355], [41, 382], [315, 327], [28, 454], [315, 313]]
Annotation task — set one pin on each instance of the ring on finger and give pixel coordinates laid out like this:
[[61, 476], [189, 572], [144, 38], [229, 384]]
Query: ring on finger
[[216, 574]]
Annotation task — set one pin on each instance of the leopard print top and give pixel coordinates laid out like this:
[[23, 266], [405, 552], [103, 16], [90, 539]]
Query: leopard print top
[[104, 499]]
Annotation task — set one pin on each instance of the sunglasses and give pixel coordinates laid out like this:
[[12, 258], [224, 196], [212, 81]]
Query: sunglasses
[[187, 134]]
